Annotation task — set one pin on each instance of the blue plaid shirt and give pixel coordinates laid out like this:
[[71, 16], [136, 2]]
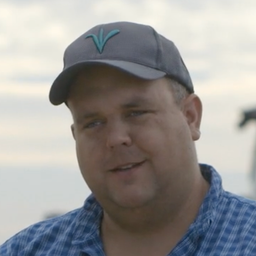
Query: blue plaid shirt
[[225, 226]]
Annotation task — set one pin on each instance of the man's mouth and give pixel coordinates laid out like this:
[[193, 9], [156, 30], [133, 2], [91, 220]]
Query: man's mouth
[[126, 167]]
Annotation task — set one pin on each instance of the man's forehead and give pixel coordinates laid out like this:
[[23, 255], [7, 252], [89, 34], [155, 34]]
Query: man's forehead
[[117, 95], [106, 79], [97, 70]]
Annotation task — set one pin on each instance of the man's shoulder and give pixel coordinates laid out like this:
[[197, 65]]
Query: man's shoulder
[[41, 234], [235, 204], [52, 225], [221, 201], [233, 227], [227, 220]]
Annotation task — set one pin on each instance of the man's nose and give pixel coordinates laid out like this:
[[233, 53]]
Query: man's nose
[[118, 134]]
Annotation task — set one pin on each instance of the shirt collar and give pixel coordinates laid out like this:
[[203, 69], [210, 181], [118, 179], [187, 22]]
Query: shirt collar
[[87, 227], [208, 209]]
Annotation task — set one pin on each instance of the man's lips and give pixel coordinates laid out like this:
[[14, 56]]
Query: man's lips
[[126, 167]]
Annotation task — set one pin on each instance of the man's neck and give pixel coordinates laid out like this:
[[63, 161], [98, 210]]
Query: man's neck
[[146, 228]]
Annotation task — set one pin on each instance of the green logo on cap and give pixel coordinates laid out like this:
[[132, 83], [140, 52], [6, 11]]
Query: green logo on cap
[[100, 41]]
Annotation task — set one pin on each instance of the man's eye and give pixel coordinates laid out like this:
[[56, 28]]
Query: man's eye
[[93, 124], [137, 113]]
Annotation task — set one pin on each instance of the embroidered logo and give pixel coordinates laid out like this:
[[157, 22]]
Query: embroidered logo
[[100, 41]]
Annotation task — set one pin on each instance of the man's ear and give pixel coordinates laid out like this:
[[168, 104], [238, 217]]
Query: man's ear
[[192, 109], [73, 131]]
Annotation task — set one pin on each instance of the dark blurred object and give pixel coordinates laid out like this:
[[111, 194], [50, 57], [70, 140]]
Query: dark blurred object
[[50, 215], [247, 116]]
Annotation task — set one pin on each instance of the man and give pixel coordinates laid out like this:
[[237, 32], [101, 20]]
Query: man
[[135, 120]]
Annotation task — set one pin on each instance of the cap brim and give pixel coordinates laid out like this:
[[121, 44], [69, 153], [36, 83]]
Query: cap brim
[[60, 87]]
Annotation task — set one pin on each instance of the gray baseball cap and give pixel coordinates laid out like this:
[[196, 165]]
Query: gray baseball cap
[[134, 48]]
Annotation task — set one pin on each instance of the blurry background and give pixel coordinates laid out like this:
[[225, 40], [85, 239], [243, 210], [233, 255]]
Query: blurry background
[[38, 170]]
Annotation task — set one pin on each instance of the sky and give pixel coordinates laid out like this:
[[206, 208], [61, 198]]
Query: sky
[[217, 40]]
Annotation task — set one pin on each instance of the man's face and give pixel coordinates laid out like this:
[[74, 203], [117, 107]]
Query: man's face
[[134, 143]]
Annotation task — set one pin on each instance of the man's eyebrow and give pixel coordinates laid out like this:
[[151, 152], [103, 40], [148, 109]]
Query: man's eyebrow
[[89, 115], [136, 102]]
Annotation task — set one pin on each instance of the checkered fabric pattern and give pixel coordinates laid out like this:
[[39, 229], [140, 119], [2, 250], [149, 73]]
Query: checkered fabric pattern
[[225, 226]]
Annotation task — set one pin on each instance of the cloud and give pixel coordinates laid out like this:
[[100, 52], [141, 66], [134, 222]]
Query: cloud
[[205, 32]]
